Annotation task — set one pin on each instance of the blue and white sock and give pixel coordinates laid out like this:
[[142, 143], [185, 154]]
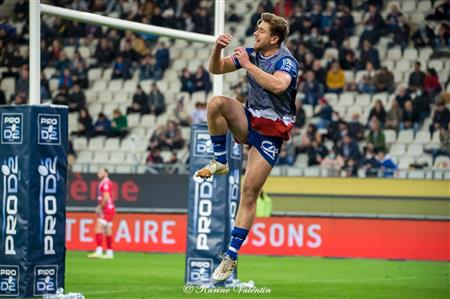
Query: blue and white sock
[[220, 148], [238, 236]]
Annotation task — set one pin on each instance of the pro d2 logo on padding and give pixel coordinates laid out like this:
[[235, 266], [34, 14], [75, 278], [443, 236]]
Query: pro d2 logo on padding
[[49, 129], [12, 128]]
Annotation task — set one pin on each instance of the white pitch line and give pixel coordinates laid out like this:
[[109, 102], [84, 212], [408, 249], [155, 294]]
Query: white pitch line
[[358, 280]]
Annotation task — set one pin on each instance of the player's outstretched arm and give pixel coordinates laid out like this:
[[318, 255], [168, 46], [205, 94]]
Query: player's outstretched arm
[[276, 83], [217, 64]]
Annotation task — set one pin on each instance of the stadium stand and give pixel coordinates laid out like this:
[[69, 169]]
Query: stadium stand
[[375, 79]]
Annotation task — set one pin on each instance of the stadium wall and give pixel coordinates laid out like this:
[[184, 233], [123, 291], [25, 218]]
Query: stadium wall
[[281, 236]]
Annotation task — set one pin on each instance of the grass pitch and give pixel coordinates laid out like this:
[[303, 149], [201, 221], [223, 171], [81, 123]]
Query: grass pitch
[[139, 275]]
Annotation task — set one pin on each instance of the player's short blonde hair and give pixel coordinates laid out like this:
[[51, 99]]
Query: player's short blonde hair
[[278, 25]]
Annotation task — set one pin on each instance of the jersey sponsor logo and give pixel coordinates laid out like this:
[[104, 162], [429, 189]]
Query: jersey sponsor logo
[[9, 280], [45, 279], [288, 66], [269, 149], [12, 128], [49, 129], [11, 177], [200, 270]]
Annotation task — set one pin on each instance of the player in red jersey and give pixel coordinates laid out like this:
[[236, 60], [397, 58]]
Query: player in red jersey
[[105, 215]]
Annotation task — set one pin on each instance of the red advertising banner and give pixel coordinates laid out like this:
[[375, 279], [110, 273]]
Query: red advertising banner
[[297, 236]]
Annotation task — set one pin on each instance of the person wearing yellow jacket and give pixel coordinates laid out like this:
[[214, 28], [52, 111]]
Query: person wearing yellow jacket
[[335, 79]]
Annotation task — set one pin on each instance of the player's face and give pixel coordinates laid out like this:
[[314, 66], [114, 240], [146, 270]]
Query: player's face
[[101, 173], [263, 38]]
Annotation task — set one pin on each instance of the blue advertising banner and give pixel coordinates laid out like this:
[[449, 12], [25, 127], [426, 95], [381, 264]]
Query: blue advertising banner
[[33, 159], [212, 206]]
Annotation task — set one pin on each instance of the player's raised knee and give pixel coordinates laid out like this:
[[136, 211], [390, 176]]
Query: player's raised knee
[[215, 103]]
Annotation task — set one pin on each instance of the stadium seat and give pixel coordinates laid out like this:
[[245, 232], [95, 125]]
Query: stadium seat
[[422, 137], [101, 157], [424, 6], [408, 6], [96, 143], [423, 159], [394, 54], [49, 72], [403, 66], [308, 110], [390, 136], [363, 100], [84, 52], [147, 120], [416, 174], [417, 18], [406, 136], [415, 150], [382, 96], [139, 132], [133, 120], [107, 73], [425, 53], [312, 172], [79, 143], [332, 98], [99, 85], [123, 168], [115, 85], [8, 85], [398, 149], [117, 157], [346, 99], [294, 171], [405, 162], [85, 157], [122, 97], [437, 64], [94, 74], [105, 96], [349, 76], [410, 54], [112, 144], [108, 109]]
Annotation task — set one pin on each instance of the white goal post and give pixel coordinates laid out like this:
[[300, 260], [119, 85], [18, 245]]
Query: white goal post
[[36, 8]]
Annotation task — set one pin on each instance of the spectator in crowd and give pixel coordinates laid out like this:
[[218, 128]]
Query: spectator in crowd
[[2, 98], [376, 136], [104, 53], [387, 165], [156, 100], [63, 62], [431, 83], [84, 124], [187, 81], [370, 163], [79, 75], [393, 18], [347, 57], [394, 116], [401, 33], [384, 80], [444, 138], [335, 79], [416, 78], [300, 115], [202, 80], [254, 20], [180, 114], [65, 79], [119, 124], [102, 126], [312, 89], [356, 128], [402, 96], [77, 99], [61, 98], [19, 100], [167, 136], [22, 85], [45, 88], [202, 22], [441, 40], [317, 151], [333, 161], [154, 159], [441, 12], [441, 117], [171, 164], [410, 118], [140, 102], [378, 112], [422, 104], [349, 150], [373, 25], [369, 54], [198, 115], [310, 135], [319, 72], [343, 130], [148, 68], [324, 113], [366, 85], [121, 69], [162, 56]]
